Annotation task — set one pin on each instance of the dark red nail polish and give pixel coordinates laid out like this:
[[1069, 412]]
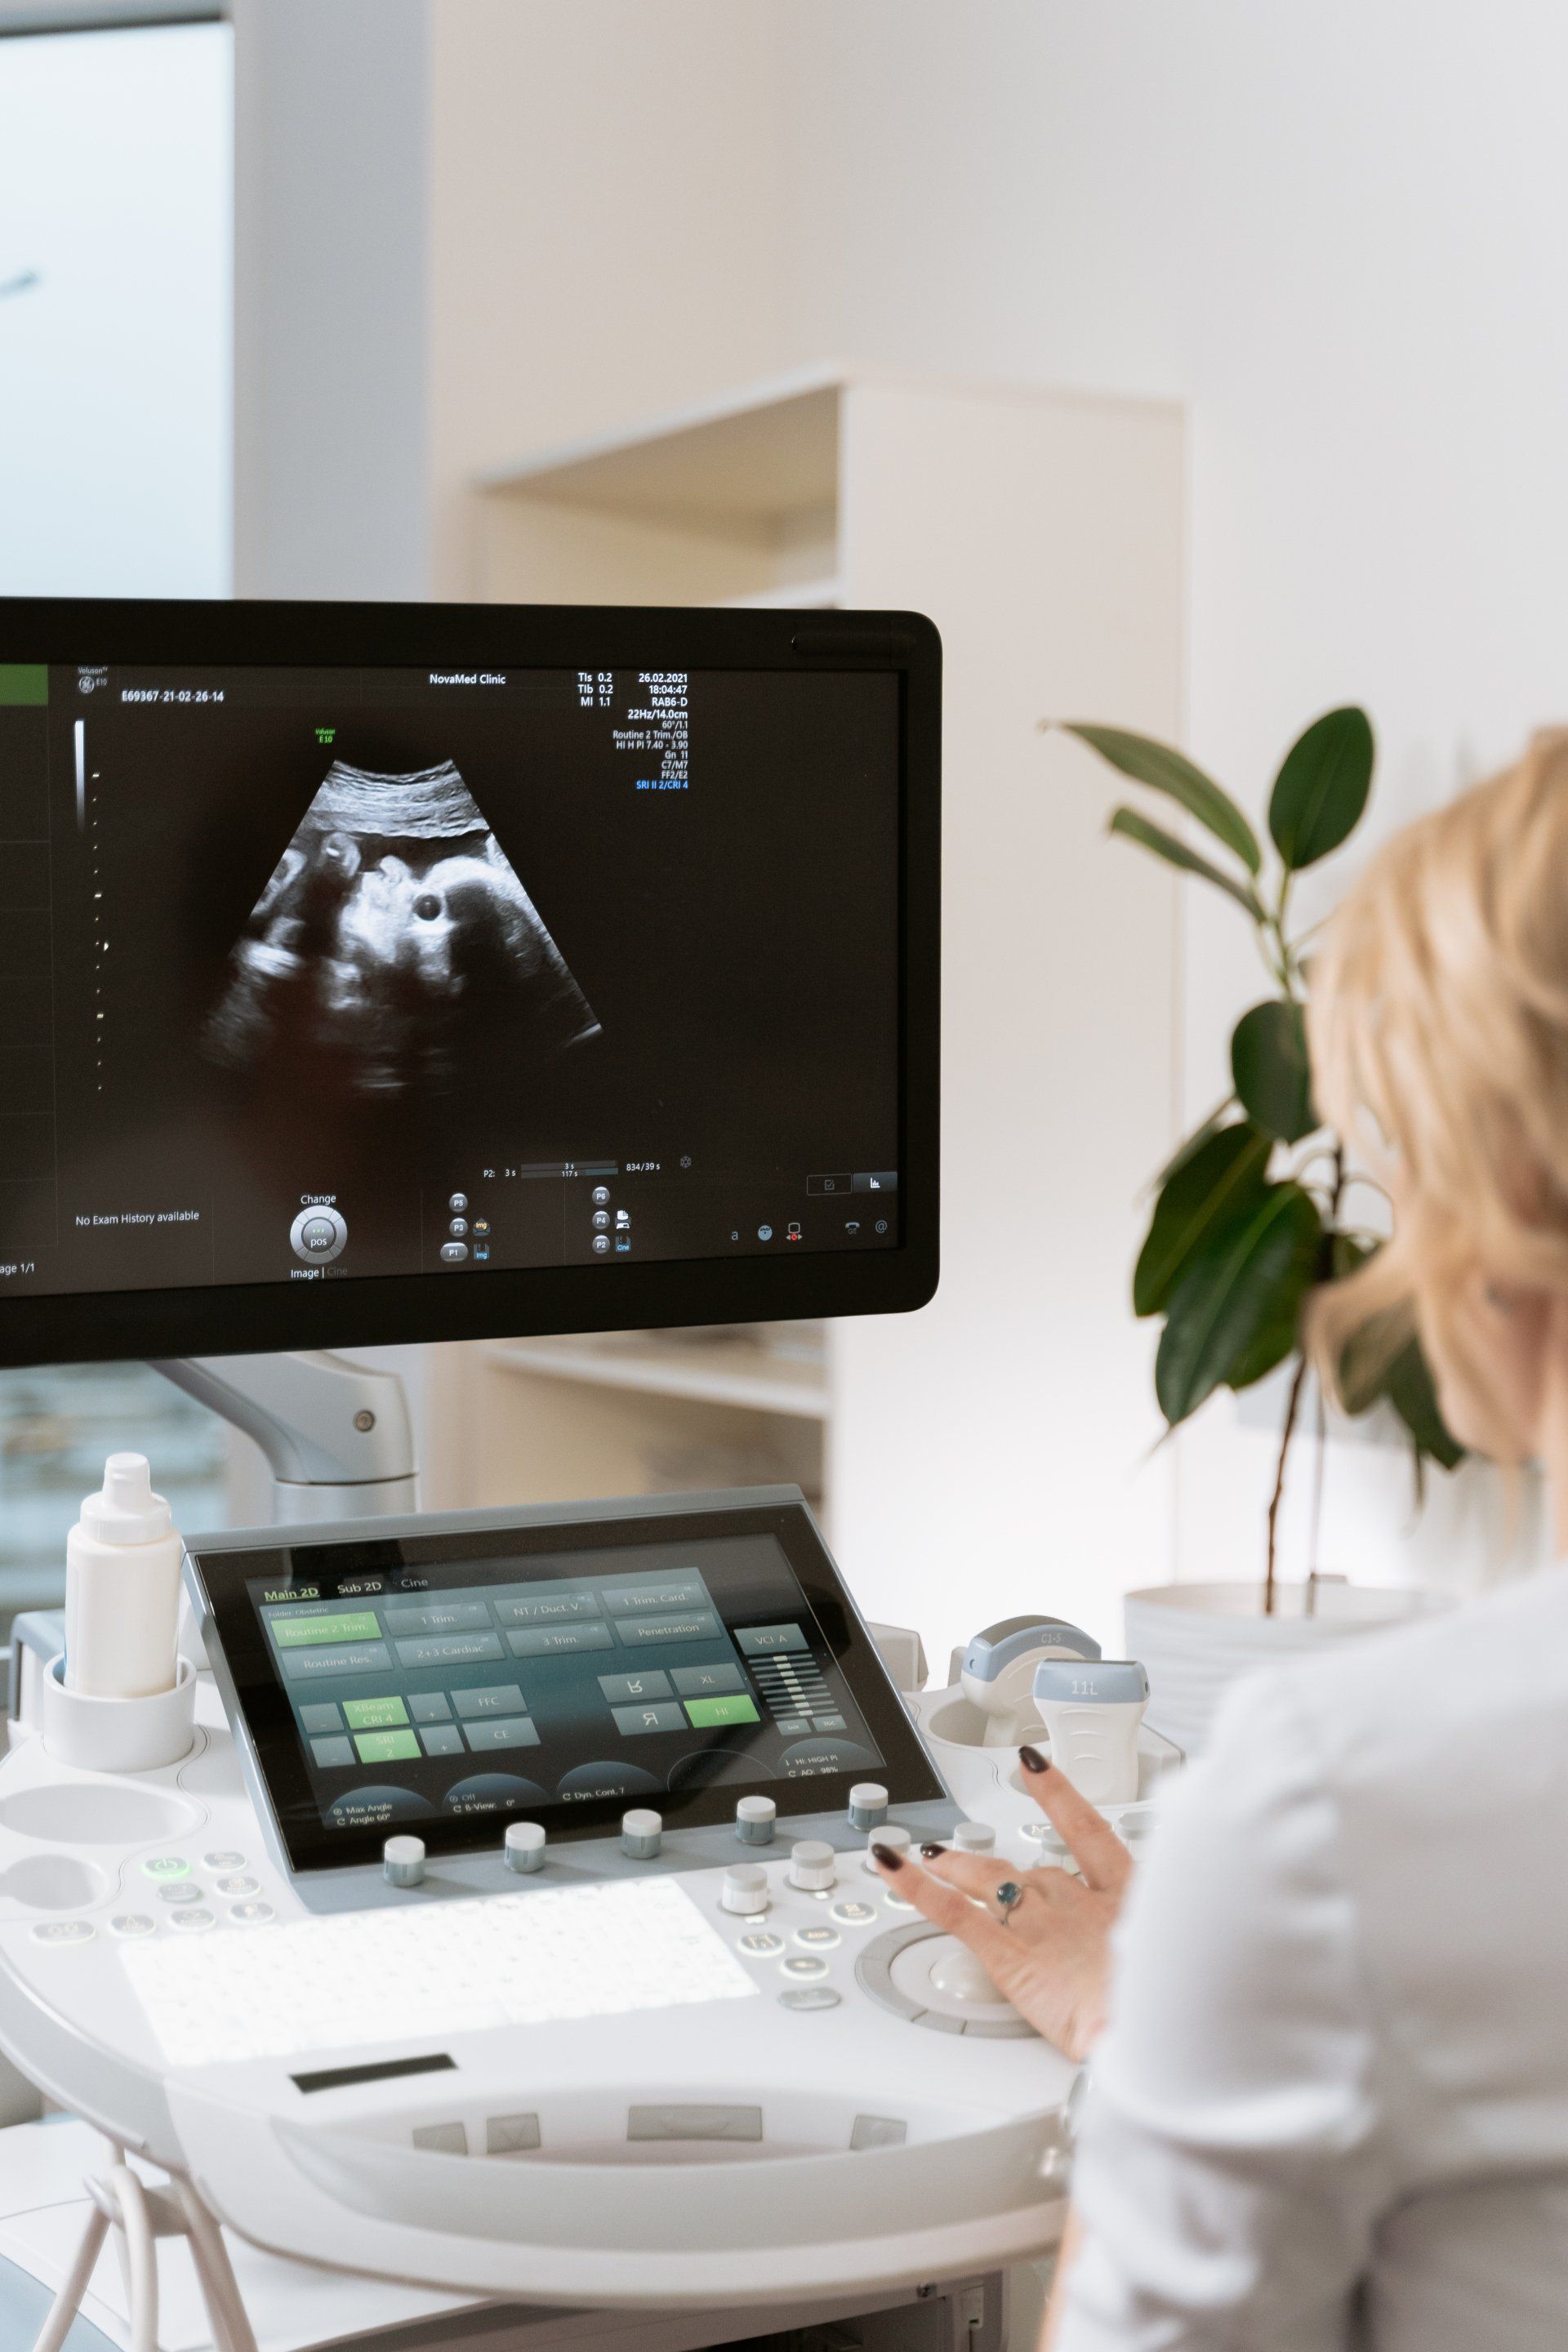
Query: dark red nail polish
[[1032, 1761], [931, 1849], [888, 1858]]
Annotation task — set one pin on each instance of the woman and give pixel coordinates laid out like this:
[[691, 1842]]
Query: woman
[[1330, 2107]]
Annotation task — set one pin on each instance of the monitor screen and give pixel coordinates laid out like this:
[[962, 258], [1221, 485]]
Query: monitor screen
[[450, 1680], [327, 976]]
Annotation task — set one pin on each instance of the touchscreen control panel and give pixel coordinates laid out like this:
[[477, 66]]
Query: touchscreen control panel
[[447, 1682]]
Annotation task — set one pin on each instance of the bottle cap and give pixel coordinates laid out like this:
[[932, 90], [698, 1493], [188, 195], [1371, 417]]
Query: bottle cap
[[126, 1510]]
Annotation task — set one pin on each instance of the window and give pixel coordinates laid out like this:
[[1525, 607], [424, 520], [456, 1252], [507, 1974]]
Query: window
[[116, 168], [116, 171]]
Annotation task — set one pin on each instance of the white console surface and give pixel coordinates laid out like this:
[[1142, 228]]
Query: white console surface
[[589, 2089], [452, 1968]]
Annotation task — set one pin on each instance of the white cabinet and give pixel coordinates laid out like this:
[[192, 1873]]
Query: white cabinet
[[996, 1440]]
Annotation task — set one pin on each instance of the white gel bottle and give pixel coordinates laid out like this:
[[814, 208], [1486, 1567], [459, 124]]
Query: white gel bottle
[[122, 1588]]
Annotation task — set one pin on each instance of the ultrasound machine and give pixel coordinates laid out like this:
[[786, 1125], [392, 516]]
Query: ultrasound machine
[[502, 1930]]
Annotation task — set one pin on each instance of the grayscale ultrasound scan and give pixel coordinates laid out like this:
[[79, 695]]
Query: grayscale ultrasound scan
[[393, 925]]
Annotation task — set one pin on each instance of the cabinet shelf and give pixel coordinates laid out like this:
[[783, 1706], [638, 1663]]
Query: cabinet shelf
[[1041, 532], [739, 1371]]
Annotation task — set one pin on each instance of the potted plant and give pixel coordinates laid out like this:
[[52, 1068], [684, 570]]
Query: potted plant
[[1255, 1210]]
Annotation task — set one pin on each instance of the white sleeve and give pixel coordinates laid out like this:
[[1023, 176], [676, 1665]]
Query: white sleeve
[[1232, 2160]]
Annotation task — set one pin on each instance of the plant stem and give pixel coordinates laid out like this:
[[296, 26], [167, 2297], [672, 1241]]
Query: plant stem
[[1291, 1410]]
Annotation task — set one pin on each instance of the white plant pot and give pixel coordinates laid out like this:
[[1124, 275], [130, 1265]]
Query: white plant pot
[[1196, 1640]]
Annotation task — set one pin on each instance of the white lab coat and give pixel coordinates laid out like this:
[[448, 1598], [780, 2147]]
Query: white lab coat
[[1331, 2106]]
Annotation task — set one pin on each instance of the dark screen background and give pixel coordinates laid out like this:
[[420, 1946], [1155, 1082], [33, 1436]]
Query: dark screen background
[[737, 940]]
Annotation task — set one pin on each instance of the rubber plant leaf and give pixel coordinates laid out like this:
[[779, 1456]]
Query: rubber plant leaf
[[1321, 788], [1194, 1142], [1165, 770], [1176, 853], [1414, 1396], [1218, 1187], [1272, 1075], [1232, 1314]]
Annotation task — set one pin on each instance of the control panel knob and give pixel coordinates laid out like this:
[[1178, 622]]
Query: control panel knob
[[755, 1819], [867, 1805], [813, 1865], [642, 1833], [745, 1888], [524, 1846], [899, 1839], [975, 1837], [402, 1861]]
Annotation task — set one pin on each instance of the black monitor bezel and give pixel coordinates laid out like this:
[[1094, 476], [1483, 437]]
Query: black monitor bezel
[[249, 1682], [374, 1310]]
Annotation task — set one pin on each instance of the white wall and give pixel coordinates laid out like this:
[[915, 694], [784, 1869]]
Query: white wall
[[1338, 238], [331, 336], [608, 224], [1341, 237]]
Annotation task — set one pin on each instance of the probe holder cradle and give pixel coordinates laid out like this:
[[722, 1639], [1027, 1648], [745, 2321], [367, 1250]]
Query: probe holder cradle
[[988, 1782], [119, 1735]]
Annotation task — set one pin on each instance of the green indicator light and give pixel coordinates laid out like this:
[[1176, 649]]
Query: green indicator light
[[385, 1746], [706, 1713], [24, 682], [166, 1866], [353, 1625], [371, 1714]]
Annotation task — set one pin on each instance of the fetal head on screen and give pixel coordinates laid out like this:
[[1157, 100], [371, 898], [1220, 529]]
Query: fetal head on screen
[[395, 945]]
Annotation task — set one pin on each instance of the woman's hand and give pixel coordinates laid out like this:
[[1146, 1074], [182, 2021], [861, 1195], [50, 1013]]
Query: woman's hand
[[1052, 1958]]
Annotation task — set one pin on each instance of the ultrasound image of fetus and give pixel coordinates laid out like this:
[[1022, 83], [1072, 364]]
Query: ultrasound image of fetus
[[395, 944]]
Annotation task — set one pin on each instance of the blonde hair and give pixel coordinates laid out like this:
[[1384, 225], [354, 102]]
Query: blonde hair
[[1439, 1006]]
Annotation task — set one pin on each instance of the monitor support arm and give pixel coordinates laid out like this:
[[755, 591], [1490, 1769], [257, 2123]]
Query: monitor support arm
[[336, 1435]]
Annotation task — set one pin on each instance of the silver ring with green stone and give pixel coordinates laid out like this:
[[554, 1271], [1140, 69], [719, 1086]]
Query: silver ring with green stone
[[1009, 1894]]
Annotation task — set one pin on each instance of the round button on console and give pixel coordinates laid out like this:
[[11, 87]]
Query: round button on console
[[761, 1945], [867, 1805], [820, 1939], [813, 1865], [192, 1923], [642, 1833], [132, 1923], [745, 1888], [810, 1997], [754, 1821], [251, 1915], [225, 1860], [891, 1835], [402, 1861], [63, 1931], [975, 1837], [183, 1891], [522, 1849], [855, 1915], [797, 1965], [237, 1886], [166, 1866]]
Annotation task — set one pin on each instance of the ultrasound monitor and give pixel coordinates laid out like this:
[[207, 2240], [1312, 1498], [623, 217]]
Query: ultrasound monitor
[[409, 972]]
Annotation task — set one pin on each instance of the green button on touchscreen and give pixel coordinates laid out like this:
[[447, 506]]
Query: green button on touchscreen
[[385, 1746], [373, 1714], [350, 1625], [707, 1712]]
